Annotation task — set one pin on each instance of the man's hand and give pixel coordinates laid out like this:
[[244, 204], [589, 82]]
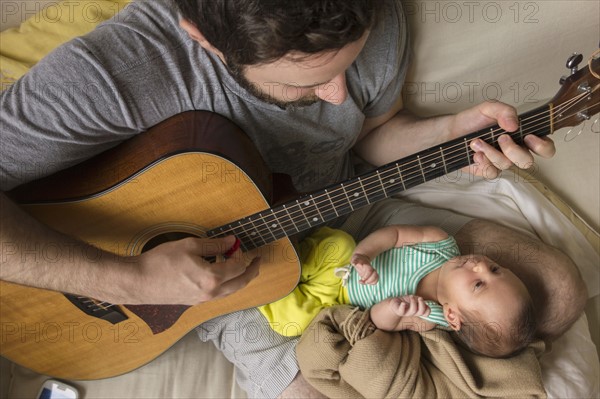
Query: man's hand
[[178, 272], [488, 161]]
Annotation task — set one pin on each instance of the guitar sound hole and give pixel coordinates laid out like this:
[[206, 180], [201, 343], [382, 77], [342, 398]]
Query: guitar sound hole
[[166, 237]]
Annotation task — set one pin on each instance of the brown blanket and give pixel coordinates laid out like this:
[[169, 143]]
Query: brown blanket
[[343, 355]]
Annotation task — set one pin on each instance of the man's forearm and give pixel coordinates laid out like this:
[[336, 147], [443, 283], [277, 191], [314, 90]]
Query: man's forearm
[[403, 135], [34, 255]]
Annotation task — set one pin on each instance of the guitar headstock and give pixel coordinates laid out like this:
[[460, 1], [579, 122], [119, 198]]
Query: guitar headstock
[[579, 97]]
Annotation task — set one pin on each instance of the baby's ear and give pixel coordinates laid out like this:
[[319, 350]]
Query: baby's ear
[[452, 317]]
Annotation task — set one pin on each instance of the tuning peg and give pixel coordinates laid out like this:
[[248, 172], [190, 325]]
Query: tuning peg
[[574, 61]]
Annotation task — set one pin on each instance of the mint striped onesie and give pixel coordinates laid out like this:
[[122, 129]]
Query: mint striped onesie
[[400, 270]]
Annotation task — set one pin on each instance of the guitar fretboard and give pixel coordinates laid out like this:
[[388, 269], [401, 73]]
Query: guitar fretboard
[[321, 206]]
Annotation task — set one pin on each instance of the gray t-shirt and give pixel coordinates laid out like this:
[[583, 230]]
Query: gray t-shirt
[[140, 68]]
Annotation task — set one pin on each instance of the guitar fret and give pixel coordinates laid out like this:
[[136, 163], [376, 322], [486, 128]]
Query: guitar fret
[[374, 193], [316, 208], [291, 218], [400, 175], [443, 160], [363, 190], [413, 181], [276, 224], [347, 197], [421, 169], [285, 221], [550, 118], [494, 137], [325, 213], [467, 149], [332, 204], [435, 166], [255, 232], [381, 184], [521, 131], [244, 237], [389, 182], [266, 224], [300, 220], [357, 197], [310, 212]]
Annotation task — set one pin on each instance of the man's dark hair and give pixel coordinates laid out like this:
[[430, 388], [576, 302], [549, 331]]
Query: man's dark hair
[[253, 32]]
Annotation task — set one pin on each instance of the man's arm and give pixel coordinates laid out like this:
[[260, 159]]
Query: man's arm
[[172, 273]]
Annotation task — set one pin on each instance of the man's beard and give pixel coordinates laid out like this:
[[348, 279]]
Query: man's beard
[[253, 89]]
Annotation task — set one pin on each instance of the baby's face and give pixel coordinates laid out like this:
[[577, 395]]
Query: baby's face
[[476, 283]]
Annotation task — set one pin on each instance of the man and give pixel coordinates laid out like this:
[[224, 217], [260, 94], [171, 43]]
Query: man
[[307, 80]]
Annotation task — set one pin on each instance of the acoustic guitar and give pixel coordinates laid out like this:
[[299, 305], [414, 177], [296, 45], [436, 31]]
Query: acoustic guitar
[[197, 174]]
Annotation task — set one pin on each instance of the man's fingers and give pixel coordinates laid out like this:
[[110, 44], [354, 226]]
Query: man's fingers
[[234, 277], [494, 157], [209, 246], [484, 115], [542, 146], [503, 113], [482, 166], [488, 158], [489, 161], [516, 154]]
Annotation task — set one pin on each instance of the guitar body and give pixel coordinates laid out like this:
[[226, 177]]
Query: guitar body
[[171, 191]]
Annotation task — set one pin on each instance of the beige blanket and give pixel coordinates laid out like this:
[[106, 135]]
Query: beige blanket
[[343, 355]]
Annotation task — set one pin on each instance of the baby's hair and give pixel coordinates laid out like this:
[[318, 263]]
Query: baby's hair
[[492, 339]]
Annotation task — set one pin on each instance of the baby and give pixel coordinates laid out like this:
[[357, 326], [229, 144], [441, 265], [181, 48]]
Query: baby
[[411, 277]]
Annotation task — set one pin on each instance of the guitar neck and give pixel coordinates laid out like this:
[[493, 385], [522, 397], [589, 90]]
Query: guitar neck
[[321, 206]]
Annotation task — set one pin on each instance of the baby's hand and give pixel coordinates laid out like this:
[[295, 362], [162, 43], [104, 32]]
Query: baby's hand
[[409, 305], [367, 273]]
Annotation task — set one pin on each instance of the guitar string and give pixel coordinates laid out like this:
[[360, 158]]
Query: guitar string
[[558, 110], [261, 225], [425, 159], [376, 180]]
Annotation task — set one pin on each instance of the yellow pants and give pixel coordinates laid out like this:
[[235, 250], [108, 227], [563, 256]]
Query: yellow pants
[[320, 254]]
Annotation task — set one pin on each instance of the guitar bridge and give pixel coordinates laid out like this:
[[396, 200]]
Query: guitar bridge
[[100, 310]]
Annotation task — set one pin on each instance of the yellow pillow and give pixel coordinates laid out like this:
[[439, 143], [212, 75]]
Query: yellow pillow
[[59, 22]]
